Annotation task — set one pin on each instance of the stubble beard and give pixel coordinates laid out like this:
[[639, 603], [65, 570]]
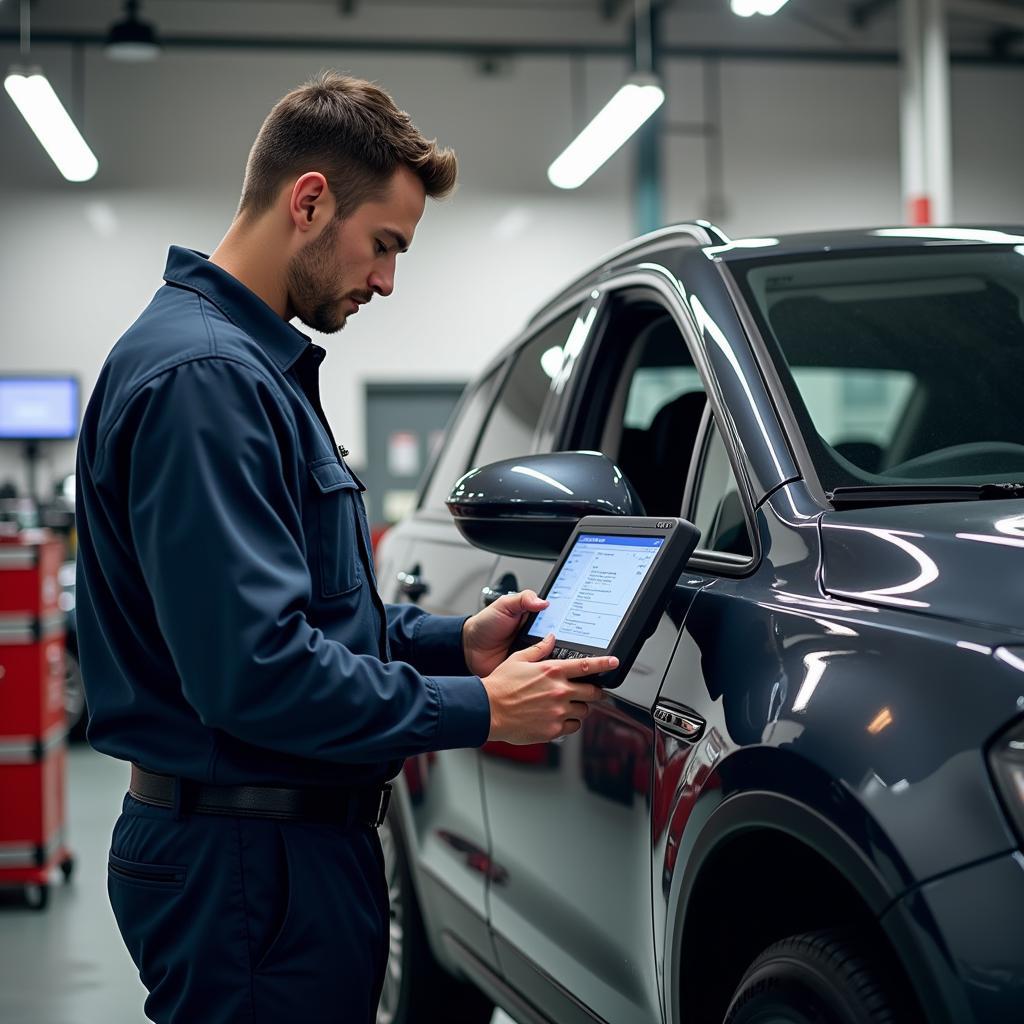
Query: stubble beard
[[312, 275]]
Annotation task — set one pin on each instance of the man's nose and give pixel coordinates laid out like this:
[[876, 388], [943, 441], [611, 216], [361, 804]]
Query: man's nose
[[382, 283]]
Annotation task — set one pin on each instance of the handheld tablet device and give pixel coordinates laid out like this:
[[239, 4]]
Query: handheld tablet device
[[609, 587]]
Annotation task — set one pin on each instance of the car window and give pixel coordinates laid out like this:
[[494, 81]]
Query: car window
[[514, 418], [719, 508], [461, 435], [900, 367], [642, 402], [856, 411], [654, 387]]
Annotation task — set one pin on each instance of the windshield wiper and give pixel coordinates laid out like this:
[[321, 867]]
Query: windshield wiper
[[868, 495]]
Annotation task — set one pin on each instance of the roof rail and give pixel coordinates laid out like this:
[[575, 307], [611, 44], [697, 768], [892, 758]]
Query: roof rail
[[700, 231]]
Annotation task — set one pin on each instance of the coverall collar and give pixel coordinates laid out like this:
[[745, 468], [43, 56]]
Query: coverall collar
[[193, 270]]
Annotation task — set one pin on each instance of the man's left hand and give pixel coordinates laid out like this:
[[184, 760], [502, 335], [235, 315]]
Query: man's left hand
[[487, 635]]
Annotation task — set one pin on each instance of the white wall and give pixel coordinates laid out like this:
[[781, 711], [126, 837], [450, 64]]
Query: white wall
[[806, 146]]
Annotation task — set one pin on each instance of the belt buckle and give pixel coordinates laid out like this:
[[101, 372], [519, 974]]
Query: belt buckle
[[382, 807]]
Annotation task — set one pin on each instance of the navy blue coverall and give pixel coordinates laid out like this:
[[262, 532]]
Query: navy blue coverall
[[230, 632]]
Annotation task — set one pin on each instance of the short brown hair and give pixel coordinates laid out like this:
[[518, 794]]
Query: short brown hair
[[353, 133]]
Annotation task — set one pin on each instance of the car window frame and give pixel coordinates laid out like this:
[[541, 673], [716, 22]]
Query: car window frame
[[536, 328], [653, 282], [775, 389], [589, 303], [706, 556]]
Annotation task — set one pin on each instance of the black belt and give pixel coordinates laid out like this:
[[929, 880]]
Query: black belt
[[340, 806]]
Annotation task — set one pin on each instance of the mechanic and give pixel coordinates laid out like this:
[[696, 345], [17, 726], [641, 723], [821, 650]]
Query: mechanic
[[233, 643]]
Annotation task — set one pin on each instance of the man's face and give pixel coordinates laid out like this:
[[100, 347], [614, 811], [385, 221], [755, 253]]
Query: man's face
[[351, 260]]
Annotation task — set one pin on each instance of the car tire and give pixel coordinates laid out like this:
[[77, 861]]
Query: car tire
[[827, 977], [417, 990]]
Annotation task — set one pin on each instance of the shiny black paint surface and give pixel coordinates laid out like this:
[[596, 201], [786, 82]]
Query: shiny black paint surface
[[850, 680], [550, 493]]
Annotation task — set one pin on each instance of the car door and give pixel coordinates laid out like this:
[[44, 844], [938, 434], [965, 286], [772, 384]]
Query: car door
[[428, 562], [569, 822], [723, 637]]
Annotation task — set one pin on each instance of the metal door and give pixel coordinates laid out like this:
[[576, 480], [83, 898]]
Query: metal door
[[570, 822], [405, 422]]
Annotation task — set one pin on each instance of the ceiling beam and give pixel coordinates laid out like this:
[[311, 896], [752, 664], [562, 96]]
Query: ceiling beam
[[471, 48]]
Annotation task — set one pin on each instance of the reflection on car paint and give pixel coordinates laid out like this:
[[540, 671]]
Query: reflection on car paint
[[476, 859], [855, 675]]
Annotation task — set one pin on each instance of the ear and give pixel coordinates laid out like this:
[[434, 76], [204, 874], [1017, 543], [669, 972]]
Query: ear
[[310, 204]]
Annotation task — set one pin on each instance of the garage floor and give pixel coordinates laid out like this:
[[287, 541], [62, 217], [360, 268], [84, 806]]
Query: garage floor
[[67, 965]]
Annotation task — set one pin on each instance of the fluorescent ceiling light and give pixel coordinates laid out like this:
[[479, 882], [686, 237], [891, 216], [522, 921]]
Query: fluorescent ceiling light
[[745, 8], [616, 122], [46, 116]]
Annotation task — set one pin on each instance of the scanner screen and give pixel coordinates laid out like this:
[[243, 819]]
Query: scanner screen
[[595, 587]]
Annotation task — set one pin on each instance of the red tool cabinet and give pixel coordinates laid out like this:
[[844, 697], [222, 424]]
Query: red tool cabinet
[[33, 752]]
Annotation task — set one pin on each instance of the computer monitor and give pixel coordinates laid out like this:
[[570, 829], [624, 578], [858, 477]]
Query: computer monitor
[[38, 407]]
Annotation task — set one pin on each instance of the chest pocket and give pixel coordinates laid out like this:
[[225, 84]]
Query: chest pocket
[[336, 528]]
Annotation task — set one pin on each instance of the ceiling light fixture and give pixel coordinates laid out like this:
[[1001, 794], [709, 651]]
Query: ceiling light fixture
[[34, 97], [746, 8], [131, 39], [619, 119], [614, 124], [42, 109]]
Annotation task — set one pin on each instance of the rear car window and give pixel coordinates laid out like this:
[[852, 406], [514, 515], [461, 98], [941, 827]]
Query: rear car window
[[516, 414]]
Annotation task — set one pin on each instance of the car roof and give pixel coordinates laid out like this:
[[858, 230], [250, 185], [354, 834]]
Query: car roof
[[866, 239], [675, 240]]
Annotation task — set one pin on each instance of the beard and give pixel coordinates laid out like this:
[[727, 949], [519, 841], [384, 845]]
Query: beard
[[312, 282]]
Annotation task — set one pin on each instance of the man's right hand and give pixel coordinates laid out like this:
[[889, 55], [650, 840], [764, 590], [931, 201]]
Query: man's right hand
[[533, 700]]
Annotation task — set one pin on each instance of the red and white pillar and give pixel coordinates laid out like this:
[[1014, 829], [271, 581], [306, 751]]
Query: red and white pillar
[[926, 149]]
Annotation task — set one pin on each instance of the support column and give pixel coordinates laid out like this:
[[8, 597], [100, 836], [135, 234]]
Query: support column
[[648, 186], [938, 119], [649, 168], [925, 126]]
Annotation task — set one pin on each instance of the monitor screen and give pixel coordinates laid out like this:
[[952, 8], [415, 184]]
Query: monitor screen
[[37, 408], [595, 587]]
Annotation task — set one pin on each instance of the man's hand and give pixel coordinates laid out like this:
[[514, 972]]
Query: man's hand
[[487, 635], [534, 700]]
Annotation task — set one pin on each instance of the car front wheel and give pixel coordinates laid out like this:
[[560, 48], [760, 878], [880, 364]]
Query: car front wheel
[[827, 977], [417, 990]]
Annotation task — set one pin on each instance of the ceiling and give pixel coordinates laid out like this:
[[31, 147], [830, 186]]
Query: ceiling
[[840, 29]]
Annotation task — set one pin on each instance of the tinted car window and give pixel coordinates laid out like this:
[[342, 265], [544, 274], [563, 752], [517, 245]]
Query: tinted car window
[[719, 513], [642, 402], [900, 368], [654, 387], [510, 429], [462, 433]]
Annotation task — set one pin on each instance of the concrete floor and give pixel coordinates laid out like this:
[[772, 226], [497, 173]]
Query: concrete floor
[[67, 965]]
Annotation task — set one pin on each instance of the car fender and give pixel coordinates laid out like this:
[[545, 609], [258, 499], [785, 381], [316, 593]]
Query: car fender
[[762, 789]]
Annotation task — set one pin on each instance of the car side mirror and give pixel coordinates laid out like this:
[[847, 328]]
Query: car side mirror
[[528, 507]]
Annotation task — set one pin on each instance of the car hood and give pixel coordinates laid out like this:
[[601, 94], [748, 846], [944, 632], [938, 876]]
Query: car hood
[[957, 560]]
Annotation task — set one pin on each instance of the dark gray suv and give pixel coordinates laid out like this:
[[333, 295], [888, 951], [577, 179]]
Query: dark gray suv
[[805, 803]]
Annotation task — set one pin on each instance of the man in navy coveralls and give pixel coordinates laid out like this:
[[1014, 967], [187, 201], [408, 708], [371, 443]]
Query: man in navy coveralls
[[234, 646]]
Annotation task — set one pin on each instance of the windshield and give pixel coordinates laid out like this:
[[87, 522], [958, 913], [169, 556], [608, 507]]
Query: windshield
[[900, 368]]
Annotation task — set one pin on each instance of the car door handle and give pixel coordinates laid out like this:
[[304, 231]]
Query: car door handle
[[411, 583], [679, 720], [506, 585]]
